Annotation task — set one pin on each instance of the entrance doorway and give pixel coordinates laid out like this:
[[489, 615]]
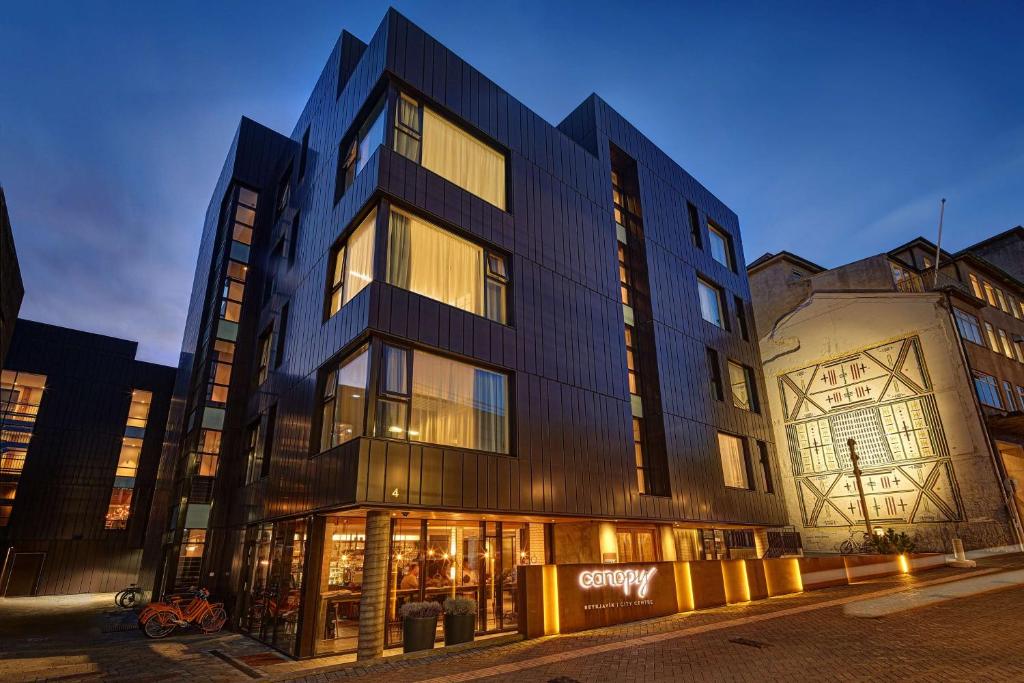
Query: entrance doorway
[[23, 578]]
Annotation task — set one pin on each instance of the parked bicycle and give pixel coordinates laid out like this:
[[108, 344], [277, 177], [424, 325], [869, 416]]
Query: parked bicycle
[[159, 619], [857, 544], [128, 597]]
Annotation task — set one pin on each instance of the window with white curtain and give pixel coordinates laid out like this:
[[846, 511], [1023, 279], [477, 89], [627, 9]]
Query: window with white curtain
[[734, 461], [352, 264], [447, 402], [433, 262], [441, 146]]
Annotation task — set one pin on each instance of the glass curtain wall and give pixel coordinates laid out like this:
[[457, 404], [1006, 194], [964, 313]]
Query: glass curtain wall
[[435, 559], [272, 589], [20, 396]]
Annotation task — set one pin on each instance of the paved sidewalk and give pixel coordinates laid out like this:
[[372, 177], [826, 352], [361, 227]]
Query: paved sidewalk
[[944, 623]]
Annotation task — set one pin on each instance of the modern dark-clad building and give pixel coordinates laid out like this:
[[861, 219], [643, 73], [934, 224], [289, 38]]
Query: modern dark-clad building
[[433, 338], [11, 288], [81, 429]]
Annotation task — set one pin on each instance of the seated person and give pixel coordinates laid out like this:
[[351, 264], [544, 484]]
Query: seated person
[[411, 578]]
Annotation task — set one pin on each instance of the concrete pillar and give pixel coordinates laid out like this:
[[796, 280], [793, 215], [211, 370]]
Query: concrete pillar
[[668, 543], [608, 542], [375, 582]]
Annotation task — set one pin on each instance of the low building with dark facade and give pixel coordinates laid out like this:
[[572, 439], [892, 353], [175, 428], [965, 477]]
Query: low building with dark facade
[[81, 430], [922, 367], [433, 338], [11, 288]]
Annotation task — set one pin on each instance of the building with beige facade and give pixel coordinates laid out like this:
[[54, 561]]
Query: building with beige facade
[[922, 367]]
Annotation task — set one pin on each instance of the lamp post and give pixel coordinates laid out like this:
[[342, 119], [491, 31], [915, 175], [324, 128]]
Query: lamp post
[[860, 489]]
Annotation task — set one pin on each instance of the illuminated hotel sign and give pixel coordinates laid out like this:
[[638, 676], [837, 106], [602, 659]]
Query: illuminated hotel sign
[[601, 594], [624, 578]]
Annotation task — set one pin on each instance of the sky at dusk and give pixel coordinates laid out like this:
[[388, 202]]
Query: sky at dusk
[[832, 129]]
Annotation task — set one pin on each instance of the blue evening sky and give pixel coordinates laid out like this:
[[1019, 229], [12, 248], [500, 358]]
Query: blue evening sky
[[832, 129]]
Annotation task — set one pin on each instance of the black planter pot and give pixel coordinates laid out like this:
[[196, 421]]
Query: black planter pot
[[418, 633], [459, 628]]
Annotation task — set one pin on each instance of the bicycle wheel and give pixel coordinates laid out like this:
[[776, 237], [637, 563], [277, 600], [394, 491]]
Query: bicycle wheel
[[117, 598], [213, 620], [127, 599], [846, 547], [159, 624]]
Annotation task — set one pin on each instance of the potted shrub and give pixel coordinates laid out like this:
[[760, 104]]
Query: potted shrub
[[459, 620], [419, 625]]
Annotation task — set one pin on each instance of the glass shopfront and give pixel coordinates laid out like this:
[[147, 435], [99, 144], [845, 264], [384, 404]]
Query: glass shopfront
[[272, 584], [341, 585], [431, 560]]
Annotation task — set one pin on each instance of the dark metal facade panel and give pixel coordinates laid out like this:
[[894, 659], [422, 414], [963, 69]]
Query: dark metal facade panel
[[564, 349], [65, 486]]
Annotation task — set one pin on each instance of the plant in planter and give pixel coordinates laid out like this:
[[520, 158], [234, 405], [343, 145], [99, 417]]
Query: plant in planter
[[419, 625], [891, 542], [459, 620]]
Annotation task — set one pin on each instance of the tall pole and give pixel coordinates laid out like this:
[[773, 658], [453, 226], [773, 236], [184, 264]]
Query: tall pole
[[938, 245], [854, 458]]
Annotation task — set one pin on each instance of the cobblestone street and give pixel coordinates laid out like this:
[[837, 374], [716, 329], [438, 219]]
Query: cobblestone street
[[945, 624]]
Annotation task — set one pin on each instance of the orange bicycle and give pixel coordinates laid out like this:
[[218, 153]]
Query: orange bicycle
[[159, 619]]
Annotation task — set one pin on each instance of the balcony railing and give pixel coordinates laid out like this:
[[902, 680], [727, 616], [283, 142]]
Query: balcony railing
[[929, 282]]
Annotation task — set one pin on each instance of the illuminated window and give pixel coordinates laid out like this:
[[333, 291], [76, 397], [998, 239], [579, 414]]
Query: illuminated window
[[1005, 342], [1014, 306], [430, 261], [352, 264], [710, 302], [744, 391], [120, 506], [720, 245], [976, 286], [735, 461], [990, 293], [988, 390], [968, 326], [993, 341], [643, 474], [358, 151], [21, 394], [448, 403], [1020, 396], [429, 139], [343, 402], [1002, 301]]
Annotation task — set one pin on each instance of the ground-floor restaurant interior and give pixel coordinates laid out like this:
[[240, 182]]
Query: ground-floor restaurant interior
[[303, 579]]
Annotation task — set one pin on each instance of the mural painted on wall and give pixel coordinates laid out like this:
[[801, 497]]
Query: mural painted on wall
[[881, 397]]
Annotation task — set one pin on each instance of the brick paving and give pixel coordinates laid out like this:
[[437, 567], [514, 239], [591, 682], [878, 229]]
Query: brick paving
[[931, 626]]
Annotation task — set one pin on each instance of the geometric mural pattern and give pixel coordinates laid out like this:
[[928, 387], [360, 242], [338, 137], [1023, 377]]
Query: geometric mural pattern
[[882, 398]]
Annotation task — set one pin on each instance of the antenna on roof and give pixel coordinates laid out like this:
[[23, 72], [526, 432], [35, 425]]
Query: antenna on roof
[[938, 244]]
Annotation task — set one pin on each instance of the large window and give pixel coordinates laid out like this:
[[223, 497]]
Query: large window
[[735, 461], [720, 246], [444, 148], [744, 390], [352, 264], [710, 302], [968, 326], [20, 396], [343, 404], [433, 262], [1008, 393], [447, 402], [988, 390], [361, 147], [119, 508]]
